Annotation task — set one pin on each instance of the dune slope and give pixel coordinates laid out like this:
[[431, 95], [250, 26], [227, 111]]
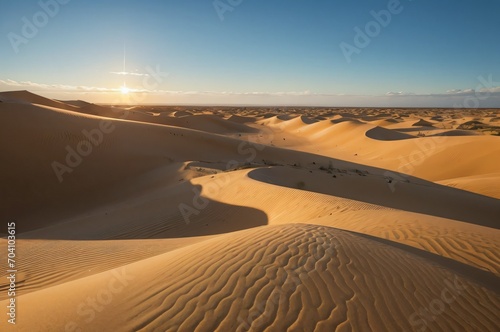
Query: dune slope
[[295, 277]]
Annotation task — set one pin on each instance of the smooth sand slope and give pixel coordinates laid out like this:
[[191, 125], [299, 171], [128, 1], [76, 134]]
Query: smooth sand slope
[[250, 219]]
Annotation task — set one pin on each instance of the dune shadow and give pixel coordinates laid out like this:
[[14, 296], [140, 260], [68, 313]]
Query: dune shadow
[[383, 134], [420, 197], [346, 119], [484, 278], [177, 213], [416, 129], [456, 133]]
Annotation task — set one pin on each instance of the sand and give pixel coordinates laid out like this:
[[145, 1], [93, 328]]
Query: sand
[[164, 218]]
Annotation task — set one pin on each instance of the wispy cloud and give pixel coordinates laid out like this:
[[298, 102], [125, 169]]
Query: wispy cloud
[[490, 97], [461, 92], [492, 91], [126, 73], [28, 85], [400, 93], [71, 88], [468, 92]]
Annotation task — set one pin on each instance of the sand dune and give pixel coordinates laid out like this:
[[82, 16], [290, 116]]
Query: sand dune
[[326, 202], [41, 269], [271, 277], [169, 218], [26, 97], [423, 157], [485, 184]]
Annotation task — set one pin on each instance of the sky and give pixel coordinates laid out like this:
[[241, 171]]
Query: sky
[[379, 53]]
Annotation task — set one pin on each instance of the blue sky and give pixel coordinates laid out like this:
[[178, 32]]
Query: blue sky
[[429, 53]]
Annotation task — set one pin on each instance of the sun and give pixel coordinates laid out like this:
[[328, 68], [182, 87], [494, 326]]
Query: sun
[[124, 90]]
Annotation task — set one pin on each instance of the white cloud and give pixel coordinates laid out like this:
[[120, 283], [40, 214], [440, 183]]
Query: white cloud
[[126, 73], [471, 92], [491, 90], [451, 98], [400, 93], [28, 85], [461, 92]]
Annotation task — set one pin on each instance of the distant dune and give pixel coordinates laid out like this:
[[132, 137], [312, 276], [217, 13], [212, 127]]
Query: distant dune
[[166, 218]]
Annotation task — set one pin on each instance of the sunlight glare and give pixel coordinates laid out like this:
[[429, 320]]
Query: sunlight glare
[[124, 90]]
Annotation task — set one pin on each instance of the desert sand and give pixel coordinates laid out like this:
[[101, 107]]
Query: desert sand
[[177, 218]]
